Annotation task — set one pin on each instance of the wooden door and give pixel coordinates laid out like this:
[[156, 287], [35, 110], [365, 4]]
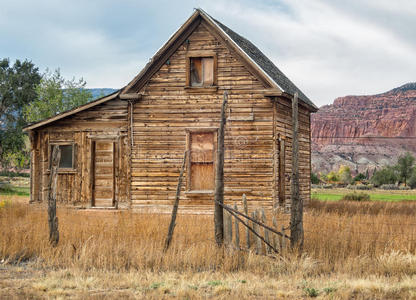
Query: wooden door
[[103, 170]]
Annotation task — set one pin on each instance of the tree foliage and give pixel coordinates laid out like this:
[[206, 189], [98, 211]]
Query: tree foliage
[[386, 175], [55, 95], [17, 89], [405, 167], [344, 174]]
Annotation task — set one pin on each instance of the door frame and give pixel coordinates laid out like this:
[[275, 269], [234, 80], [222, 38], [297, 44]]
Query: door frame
[[116, 145]]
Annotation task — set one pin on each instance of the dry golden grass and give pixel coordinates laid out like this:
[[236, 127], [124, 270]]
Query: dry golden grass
[[361, 250]]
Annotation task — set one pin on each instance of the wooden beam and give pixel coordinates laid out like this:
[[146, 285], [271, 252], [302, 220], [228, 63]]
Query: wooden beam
[[130, 96]]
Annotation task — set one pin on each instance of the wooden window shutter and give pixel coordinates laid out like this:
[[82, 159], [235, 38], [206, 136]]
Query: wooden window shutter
[[201, 161]]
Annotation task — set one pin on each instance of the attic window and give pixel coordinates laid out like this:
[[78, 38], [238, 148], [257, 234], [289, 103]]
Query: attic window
[[201, 70]]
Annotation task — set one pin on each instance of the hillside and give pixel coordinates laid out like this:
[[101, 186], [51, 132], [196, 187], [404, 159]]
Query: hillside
[[364, 131], [101, 92]]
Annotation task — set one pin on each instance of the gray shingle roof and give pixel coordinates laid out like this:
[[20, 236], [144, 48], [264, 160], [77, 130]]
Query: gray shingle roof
[[263, 62]]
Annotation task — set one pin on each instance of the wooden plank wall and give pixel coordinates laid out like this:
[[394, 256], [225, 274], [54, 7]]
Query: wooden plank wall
[[74, 188], [167, 110]]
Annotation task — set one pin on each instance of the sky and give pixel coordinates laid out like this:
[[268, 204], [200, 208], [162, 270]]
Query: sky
[[328, 48]]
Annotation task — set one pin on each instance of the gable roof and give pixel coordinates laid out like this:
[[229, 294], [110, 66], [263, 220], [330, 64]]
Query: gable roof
[[284, 83], [72, 111], [244, 47], [248, 51]]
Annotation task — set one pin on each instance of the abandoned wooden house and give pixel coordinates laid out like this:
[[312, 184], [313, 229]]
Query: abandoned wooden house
[[125, 150]]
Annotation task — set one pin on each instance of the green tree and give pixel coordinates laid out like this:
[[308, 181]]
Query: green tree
[[17, 89], [55, 95], [404, 166], [314, 178], [344, 174], [360, 177], [412, 179], [332, 176], [386, 175]]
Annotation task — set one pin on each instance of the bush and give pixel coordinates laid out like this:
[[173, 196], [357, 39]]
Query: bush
[[6, 188], [363, 187], [389, 187], [314, 178], [356, 197], [12, 174], [387, 175]]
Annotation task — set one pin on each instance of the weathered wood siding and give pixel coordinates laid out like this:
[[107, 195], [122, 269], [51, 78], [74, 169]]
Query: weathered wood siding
[[108, 120], [167, 110]]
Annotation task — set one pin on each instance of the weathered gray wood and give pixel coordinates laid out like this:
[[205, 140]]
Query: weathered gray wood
[[228, 227], [259, 248], [246, 213], [266, 231], [219, 178], [276, 238], [237, 230], [296, 218], [175, 205], [53, 179], [283, 241]]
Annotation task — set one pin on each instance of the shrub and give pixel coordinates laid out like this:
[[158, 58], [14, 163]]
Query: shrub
[[6, 188], [356, 197], [387, 175], [389, 187], [314, 178]]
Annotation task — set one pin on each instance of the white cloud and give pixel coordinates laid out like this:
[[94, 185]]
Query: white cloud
[[327, 48]]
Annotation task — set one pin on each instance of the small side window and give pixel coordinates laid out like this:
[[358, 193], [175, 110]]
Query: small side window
[[67, 156]]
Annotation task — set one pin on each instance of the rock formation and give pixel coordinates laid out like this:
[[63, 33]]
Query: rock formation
[[364, 132]]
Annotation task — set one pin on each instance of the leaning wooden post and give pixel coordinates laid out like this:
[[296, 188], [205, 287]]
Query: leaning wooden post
[[175, 205], [246, 213], [219, 178], [296, 217], [53, 180], [237, 231]]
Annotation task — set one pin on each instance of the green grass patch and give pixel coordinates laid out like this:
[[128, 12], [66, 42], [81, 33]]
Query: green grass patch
[[377, 195], [9, 190]]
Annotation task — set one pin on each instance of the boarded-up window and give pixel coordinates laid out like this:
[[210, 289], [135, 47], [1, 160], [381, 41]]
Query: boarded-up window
[[201, 71], [67, 156], [201, 161]]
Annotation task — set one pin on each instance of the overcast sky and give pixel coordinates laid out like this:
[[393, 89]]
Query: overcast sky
[[328, 48]]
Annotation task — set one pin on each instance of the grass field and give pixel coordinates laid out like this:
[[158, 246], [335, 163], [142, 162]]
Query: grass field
[[352, 250], [375, 195]]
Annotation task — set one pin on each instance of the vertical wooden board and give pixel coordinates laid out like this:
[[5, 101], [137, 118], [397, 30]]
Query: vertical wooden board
[[208, 70]]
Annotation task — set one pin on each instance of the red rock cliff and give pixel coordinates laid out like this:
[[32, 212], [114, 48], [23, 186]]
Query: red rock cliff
[[364, 131]]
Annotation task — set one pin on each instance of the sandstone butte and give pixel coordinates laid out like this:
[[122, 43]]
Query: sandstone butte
[[364, 132]]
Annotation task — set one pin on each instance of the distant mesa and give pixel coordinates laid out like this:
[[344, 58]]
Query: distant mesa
[[364, 132]]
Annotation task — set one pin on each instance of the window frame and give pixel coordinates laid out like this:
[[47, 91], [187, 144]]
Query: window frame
[[189, 132], [201, 54], [73, 169]]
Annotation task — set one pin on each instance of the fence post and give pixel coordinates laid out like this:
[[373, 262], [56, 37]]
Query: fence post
[[53, 180], [219, 178], [283, 243], [246, 213], [228, 228], [276, 243], [266, 231], [296, 217], [237, 231], [255, 215]]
